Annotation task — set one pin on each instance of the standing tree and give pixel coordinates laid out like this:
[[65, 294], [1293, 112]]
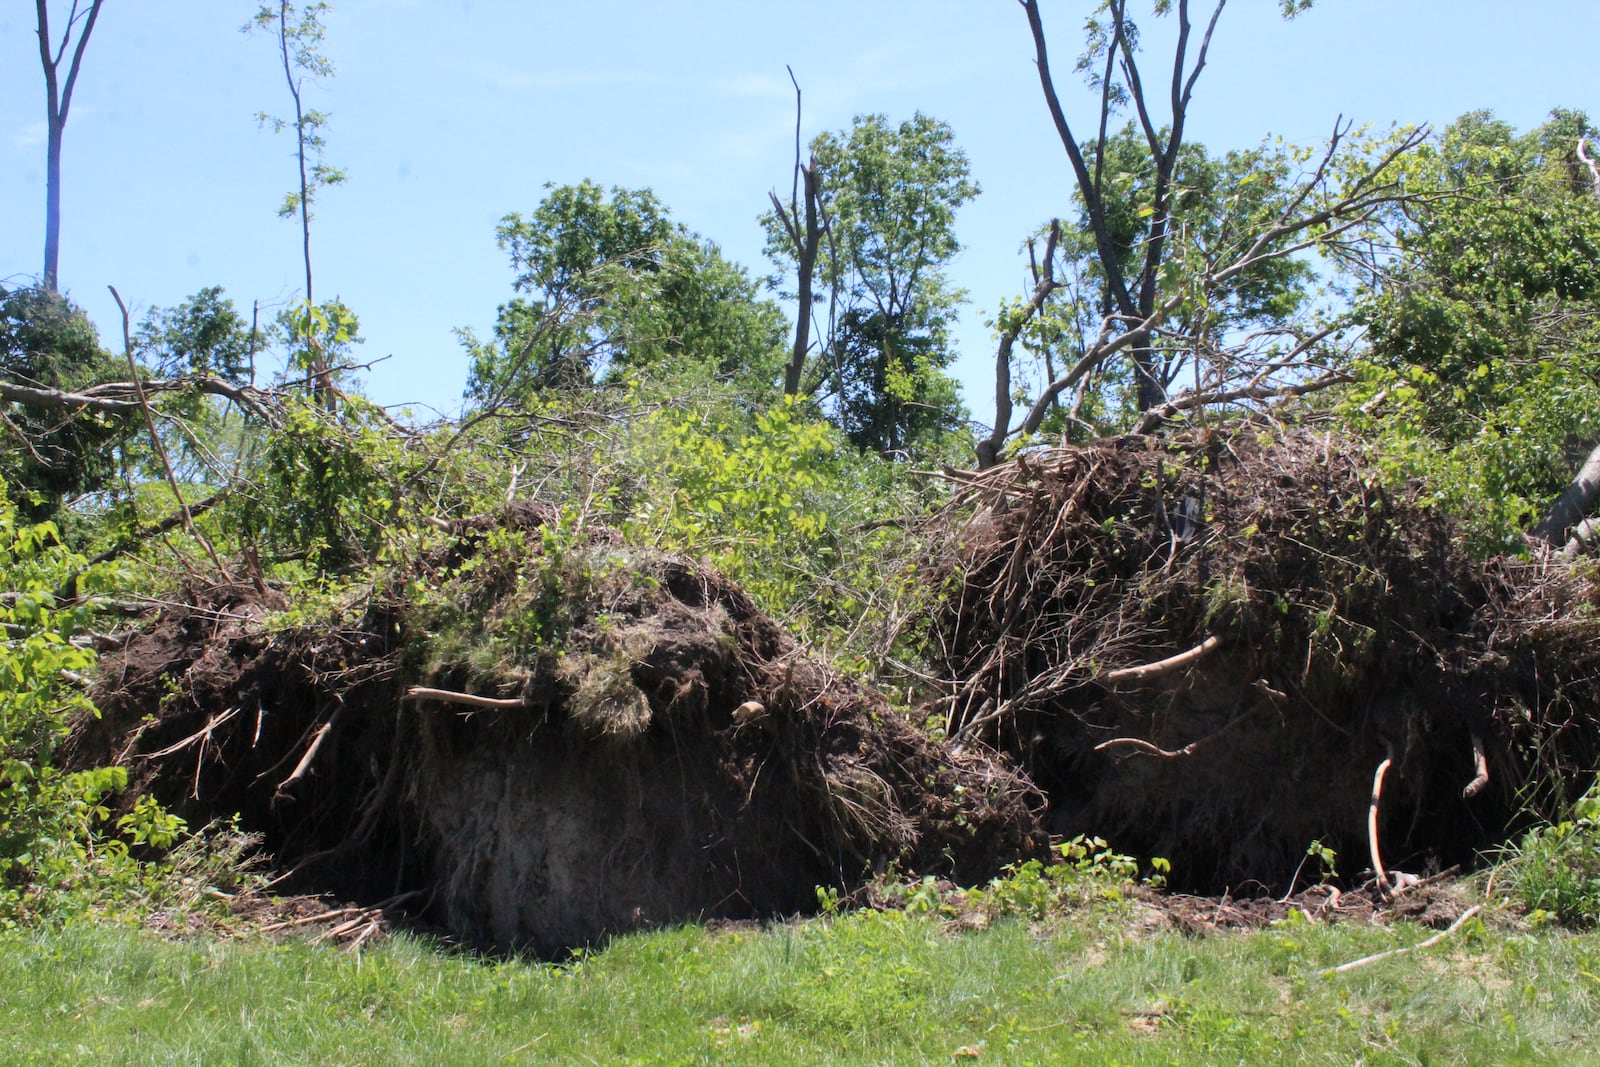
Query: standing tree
[[610, 284], [299, 35], [888, 197], [805, 238], [58, 101]]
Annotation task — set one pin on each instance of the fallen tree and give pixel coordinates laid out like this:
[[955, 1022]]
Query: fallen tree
[[1202, 647]]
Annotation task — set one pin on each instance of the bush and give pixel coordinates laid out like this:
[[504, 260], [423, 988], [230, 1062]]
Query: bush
[[1555, 869]]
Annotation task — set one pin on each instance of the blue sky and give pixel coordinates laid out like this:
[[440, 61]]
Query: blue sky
[[448, 114]]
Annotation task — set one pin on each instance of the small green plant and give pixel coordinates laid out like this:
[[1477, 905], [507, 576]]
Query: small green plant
[[1555, 869]]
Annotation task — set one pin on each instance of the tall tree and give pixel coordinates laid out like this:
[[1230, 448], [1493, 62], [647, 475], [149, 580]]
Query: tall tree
[[58, 101], [611, 283], [299, 35], [888, 194]]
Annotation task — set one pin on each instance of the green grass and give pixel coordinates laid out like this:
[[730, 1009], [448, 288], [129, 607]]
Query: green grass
[[1098, 987]]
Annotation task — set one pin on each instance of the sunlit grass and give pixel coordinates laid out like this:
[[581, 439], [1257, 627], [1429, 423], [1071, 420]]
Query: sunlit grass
[[1099, 987]]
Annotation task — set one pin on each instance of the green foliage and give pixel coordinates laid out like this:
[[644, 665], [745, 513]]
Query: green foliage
[[615, 285], [299, 37], [1555, 869], [1086, 869], [203, 336], [52, 839], [1482, 376], [47, 341], [318, 335], [890, 194], [326, 488], [775, 500]]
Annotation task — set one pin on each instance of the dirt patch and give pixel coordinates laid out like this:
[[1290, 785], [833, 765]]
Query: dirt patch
[[610, 739], [1204, 648]]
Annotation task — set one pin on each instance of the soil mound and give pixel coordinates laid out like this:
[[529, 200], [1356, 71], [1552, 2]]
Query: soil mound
[[537, 737], [1204, 648]]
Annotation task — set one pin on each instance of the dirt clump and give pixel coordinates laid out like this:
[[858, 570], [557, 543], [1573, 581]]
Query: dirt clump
[[536, 736], [1204, 647]]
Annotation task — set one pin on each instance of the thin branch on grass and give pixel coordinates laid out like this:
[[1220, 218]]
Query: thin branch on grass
[[1419, 946]]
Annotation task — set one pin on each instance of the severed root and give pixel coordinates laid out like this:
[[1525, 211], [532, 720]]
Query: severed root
[[1162, 666], [446, 696], [1434, 940], [1480, 763], [304, 765], [1146, 747], [1372, 827]]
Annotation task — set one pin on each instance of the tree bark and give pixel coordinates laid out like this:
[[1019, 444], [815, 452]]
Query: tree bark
[[1573, 504], [58, 101]]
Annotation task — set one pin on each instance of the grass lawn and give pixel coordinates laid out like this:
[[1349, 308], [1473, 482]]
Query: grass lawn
[[1101, 986]]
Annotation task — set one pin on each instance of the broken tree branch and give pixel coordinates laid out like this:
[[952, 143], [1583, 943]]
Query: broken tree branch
[[304, 765], [156, 442], [1419, 946]]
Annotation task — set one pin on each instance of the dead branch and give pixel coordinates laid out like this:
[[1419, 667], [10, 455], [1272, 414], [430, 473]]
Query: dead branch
[[1162, 666], [445, 696], [156, 442], [1044, 283], [1151, 420], [121, 398], [1147, 748], [1372, 827], [1594, 170], [1419, 946], [1480, 764]]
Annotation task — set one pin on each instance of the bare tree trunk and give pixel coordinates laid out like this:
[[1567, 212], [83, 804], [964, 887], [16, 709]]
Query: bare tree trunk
[[58, 101], [807, 244], [1573, 504]]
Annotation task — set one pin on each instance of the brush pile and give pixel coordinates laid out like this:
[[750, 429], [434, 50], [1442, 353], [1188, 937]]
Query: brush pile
[[536, 736], [1203, 648]]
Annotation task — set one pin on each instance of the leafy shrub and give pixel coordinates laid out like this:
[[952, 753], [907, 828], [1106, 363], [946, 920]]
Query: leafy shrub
[[1555, 869], [52, 838]]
